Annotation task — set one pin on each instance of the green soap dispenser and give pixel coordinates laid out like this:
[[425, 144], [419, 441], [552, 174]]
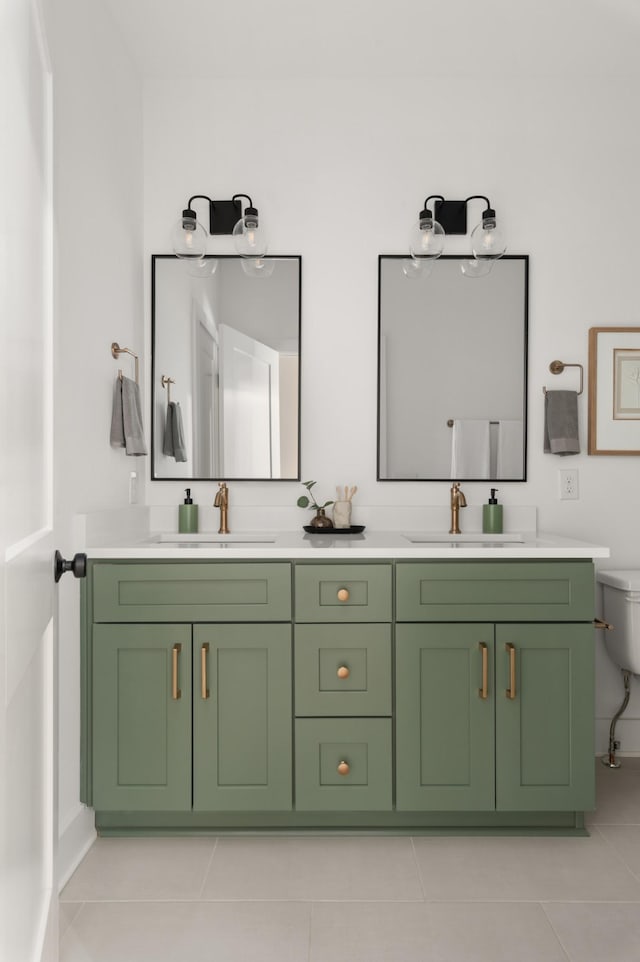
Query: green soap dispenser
[[188, 515], [492, 515]]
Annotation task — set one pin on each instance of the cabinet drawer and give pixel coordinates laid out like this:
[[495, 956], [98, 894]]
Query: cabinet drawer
[[345, 593], [495, 591], [360, 748], [192, 592], [343, 669]]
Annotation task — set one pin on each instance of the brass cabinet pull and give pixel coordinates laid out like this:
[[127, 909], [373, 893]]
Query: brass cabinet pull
[[175, 691], [204, 651], [343, 768], [343, 672], [484, 691], [343, 594], [511, 690]]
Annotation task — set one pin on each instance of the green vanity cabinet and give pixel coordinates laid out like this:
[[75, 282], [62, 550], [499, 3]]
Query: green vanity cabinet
[[342, 687], [495, 715], [185, 717], [383, 695]]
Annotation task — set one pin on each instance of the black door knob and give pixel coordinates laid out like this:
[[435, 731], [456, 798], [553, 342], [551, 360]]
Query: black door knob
[[78, 566]]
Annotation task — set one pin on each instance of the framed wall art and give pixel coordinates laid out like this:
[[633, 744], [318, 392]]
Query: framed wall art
[[614, 390]]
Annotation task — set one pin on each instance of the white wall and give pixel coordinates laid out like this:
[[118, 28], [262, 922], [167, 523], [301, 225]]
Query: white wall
[[339, 170], [98, 299]]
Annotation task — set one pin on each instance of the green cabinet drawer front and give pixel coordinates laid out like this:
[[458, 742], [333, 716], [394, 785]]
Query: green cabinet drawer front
[[360, 747], [192, 592], [545, 741], [141, 732], [345, 593], [242, 718], [495, 591], [343, 669], [444, 725]]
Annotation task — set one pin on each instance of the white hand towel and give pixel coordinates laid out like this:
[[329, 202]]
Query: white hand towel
[[510, 450], [470, 450]]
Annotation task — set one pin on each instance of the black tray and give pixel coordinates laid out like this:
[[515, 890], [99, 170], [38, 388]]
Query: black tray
[[354, 529]]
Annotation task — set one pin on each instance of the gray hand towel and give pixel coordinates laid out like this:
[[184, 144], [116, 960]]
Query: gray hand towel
[[173, 444], [561, 423], [126, 418]]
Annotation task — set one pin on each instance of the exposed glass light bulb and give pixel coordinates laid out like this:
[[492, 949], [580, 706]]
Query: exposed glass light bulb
[[249, 238], [258, 266], [427, 237], [487, 239], [188, 237], [476, 268], [417, 268]]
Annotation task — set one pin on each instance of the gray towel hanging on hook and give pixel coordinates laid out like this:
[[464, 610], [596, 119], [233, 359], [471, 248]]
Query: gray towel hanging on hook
[[126, 418]]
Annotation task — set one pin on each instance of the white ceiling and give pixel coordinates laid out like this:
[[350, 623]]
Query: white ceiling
[[381, 38]]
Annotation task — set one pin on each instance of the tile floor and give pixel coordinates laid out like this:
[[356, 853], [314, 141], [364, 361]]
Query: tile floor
[[342, 899]]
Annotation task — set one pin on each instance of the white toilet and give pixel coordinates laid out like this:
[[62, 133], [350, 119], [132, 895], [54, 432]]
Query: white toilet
[[621, 608]]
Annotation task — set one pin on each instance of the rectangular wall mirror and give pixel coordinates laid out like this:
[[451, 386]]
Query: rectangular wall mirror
[[452, 372], [225, 368]]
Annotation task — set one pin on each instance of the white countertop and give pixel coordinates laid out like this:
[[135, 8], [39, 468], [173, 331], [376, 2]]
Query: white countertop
[[282, 545]]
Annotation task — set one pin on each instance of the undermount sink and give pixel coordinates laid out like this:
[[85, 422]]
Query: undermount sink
[[471, 538], [205, 539]]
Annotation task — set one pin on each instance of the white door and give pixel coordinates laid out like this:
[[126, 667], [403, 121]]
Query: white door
[[249, 406], [28, 895]]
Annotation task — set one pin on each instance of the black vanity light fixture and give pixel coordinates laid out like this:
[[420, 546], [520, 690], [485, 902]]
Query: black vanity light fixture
[[189, 237], [444, 217]]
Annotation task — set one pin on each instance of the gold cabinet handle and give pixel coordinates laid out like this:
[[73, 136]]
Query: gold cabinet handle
[[343, 768], [511, 690], [175, 691], [204, 651], [343, 594], [343, 672], [484, 691]]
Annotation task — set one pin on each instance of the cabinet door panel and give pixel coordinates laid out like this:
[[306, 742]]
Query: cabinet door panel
[[544, 745], [445, 729], [242, 730], [141, 733]]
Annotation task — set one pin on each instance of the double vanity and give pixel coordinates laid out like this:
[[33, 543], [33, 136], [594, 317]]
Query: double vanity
[[407, 682]]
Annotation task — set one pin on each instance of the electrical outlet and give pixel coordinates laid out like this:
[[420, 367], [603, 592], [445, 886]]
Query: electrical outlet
[[568, 485]]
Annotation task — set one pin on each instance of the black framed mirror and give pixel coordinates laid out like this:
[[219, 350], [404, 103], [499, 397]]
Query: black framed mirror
[[452, 371], [225, 394]]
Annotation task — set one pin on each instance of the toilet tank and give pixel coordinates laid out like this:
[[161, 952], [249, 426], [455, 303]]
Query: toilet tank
[[621, 608]]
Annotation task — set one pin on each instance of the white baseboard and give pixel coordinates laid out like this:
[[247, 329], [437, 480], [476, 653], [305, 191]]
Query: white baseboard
[[76, 838], [627, 733]]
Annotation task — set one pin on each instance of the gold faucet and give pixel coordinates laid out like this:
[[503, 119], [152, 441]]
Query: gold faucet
[[458, 501], [222, 501]]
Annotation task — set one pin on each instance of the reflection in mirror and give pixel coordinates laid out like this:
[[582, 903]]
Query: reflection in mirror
[[225, 368], [452, 372]]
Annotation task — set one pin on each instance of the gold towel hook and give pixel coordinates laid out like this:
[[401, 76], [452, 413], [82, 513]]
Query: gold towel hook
[[116, 351], [167, 381], [557, 367]]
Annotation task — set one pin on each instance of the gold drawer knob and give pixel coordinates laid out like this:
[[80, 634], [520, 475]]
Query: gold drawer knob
[[343, 768], [343, 672], [343, 594]]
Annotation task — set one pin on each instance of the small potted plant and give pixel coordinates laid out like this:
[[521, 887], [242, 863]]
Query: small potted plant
[[308, 500]]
